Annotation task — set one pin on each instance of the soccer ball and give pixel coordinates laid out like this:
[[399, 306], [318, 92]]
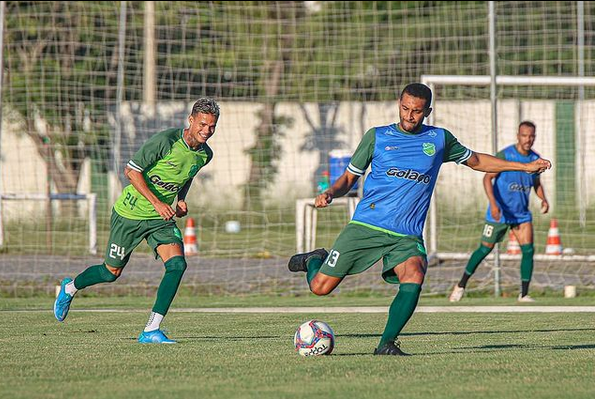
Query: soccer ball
[[314, 338]]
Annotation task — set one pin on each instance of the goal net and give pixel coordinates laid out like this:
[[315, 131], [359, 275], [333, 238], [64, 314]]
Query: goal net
[[562, 109], [85, 84]]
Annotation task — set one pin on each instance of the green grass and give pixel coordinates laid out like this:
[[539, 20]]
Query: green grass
[[215, 301], [95, 355]]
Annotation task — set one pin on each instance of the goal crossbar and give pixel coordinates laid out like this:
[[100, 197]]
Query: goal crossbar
[[505, 80]]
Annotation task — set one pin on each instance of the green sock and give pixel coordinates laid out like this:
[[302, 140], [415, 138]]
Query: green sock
[[527, 262], [174, 270], [313, 265], [400, 311], [476, 258], [94, 275]]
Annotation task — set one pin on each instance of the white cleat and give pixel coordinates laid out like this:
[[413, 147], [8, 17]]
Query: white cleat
[[525, 299], [457, 294]]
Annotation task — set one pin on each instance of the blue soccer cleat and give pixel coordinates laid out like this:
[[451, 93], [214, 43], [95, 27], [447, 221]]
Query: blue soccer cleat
[[154, 337], [62, 303]]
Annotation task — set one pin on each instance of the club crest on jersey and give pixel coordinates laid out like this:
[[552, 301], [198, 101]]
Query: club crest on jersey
[[409, 174], [429, 149]]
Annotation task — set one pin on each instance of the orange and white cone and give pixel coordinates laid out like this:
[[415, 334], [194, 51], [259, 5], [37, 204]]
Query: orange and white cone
[[513, 247], [190, 246], [554, 245]]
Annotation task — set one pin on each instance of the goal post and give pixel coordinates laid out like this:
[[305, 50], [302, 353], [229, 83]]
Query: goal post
[[580, 138], [90, 198]]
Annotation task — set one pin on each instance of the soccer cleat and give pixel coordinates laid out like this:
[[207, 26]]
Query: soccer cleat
[[298, 262], [457, 294], [62, 303], [391, 349], [154, 337], [525, 299]]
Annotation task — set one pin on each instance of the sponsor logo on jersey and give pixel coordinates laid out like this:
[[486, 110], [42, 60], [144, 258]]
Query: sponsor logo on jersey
[[391, 148], [156, 180], [429, 149], [409, 174], [516, 187]]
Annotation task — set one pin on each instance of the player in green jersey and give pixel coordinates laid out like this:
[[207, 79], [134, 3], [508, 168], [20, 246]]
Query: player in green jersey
[[161, 171]]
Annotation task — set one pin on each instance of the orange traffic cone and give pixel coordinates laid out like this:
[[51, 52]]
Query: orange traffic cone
[[554, 245], [190, 246], [513, 247]]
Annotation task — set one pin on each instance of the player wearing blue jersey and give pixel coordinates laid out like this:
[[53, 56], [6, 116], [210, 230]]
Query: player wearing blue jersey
[[508, 195], [405, 159]]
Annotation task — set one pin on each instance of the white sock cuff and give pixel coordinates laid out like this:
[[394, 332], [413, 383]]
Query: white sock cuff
[[154, 322], [70, 288]]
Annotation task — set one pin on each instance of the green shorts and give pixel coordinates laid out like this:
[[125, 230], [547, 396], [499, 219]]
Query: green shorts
[[495, 232], [126, 234], [358, 248]]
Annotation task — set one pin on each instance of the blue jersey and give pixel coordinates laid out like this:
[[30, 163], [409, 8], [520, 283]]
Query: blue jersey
[[512, 189], [404, 168]]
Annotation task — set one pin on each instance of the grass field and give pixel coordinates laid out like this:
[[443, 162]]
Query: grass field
[[94, 355]]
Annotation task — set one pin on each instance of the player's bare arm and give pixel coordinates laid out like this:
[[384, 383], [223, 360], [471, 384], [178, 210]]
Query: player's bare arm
[[338, 189], [489, 163], [545, 206], [138, 181], [489, 189], [182, 206]]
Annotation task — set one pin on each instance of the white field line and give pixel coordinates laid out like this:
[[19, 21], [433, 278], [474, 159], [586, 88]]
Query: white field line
[[354, 309]]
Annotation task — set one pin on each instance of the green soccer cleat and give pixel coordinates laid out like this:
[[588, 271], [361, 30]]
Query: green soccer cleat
[[298, 263], [62, 303], [391, 349], [154, 337]]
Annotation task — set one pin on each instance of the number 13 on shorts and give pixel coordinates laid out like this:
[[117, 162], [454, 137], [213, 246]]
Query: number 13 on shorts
[[332, 258]]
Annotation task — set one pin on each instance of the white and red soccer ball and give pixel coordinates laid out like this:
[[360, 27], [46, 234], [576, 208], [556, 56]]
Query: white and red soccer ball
[[314, 338]]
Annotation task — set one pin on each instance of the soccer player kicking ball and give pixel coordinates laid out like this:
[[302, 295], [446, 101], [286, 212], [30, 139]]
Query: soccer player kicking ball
[[405, 159], [159, 172], [508, 206]]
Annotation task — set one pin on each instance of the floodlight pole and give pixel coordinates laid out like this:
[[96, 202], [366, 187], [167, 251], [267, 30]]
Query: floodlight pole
[[494, 102], [2, 5], [114, 183], [581, 138]]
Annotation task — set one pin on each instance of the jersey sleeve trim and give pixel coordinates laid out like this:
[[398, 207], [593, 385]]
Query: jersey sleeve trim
[[134, 166], [354, 170], [465, 156]]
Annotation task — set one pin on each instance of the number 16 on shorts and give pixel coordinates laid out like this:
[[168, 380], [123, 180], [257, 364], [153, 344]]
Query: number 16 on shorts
[[488, 230]]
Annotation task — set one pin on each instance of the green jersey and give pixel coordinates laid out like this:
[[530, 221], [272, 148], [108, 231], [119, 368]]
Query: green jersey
[[167, 164]]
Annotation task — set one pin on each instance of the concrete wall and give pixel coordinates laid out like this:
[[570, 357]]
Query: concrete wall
[[316, 130]]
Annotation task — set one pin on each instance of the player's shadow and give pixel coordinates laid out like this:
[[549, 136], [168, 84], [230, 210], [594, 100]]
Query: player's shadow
[[572, 347], [426, 333], [233, 338], [219, 338]]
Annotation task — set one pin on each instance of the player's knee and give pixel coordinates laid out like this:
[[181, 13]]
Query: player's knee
[[176, 264], [320, 288], [110, 274], [414, 278]]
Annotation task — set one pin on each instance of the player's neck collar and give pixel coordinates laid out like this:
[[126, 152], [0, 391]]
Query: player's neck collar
[[187, 145], [520, 152], [421, 129]]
